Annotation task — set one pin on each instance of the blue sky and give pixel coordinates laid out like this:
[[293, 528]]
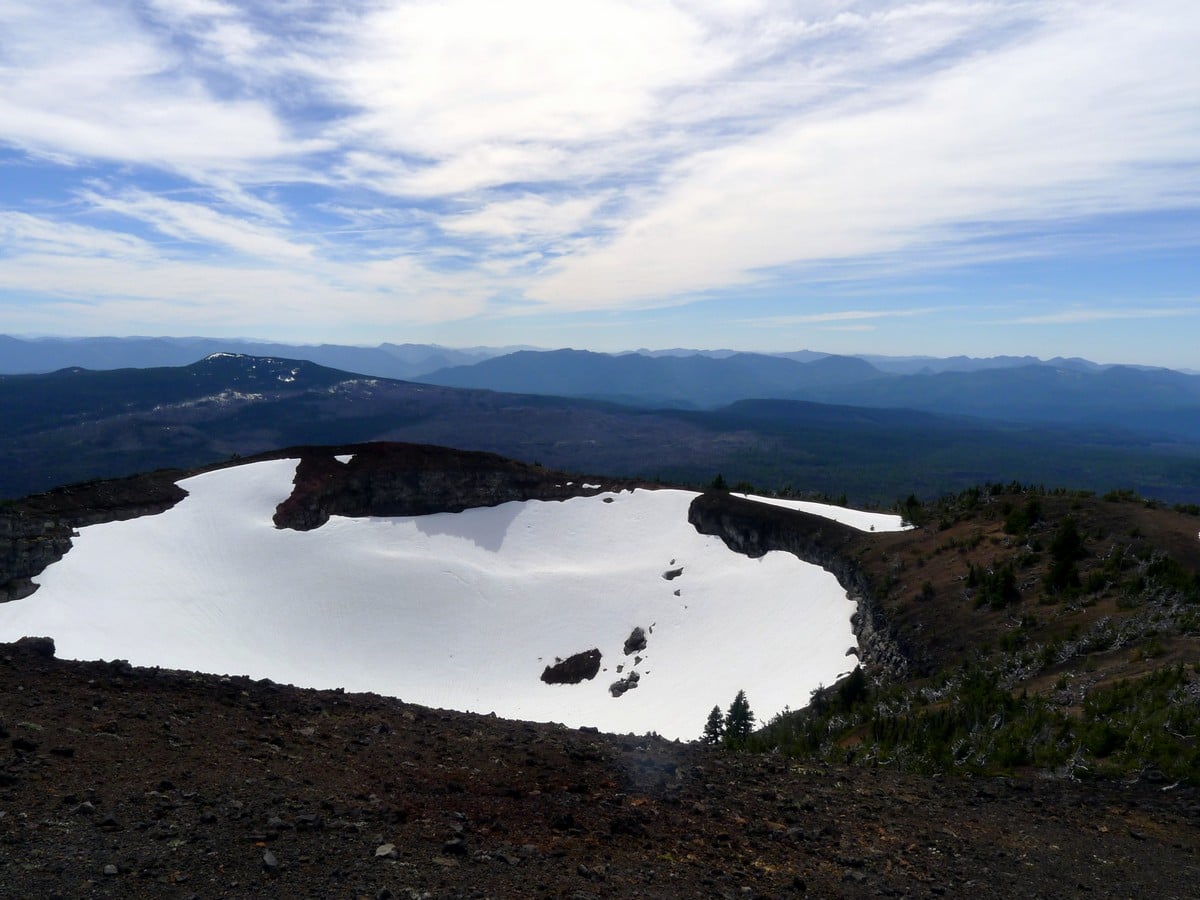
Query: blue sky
[[1018, 177]]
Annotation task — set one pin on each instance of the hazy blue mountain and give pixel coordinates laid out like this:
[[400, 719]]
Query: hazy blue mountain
[[390, 360], [681, 351], [809, 356], [33, 355], [795, 355], [22, 355], [931, 365], [913, 365], [55, 400], [1157, 402], [74, 425], [695, 382], [1146, 400]]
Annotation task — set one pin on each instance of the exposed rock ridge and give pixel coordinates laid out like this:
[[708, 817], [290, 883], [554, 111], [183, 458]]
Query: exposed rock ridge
[[381, 479], [28, 544], [392, 479], [36, 532], [754, 528]]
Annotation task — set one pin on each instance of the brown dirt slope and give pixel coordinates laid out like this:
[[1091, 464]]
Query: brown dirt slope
[[120, 782]]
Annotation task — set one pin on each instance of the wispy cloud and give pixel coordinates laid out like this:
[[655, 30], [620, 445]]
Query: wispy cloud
[[1077, 316], [843, 315], [202, 224], [23, 235], [1087, 114], [424, 160], [89, 81]]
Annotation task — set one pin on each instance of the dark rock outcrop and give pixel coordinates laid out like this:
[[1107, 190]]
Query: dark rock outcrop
[[621, 685], [411, 480], [39, 646], [28, 544], [36, 532], [754, 528], [636, 640], [574, 669]]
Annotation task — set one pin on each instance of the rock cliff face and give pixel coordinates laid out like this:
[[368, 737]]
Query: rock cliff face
[[36, 531], [27, 545], [412, 480], [754, 528]]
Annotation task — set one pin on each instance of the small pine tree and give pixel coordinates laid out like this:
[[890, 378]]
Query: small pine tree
[[1065, 550], [714, 728], [852, 689], [739, 721]]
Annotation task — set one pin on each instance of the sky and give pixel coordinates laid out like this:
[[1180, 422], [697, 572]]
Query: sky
[[937, 177]]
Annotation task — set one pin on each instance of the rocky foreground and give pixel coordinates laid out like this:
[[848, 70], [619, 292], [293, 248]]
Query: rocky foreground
[[121, 782]]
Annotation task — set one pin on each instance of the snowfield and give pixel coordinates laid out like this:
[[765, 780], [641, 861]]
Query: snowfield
[[855, 518], [456, 610]]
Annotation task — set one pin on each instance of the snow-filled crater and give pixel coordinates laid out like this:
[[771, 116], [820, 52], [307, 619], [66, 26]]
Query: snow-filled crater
[[457, 610]]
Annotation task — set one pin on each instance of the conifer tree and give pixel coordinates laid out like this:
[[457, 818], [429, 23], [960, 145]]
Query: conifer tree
[[714, 728], [739, 721]]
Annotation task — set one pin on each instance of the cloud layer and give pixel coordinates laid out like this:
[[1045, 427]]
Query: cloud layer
[[170, 163]]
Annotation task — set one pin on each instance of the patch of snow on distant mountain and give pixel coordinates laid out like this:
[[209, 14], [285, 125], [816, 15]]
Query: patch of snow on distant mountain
[[458, 610], [855, 518]]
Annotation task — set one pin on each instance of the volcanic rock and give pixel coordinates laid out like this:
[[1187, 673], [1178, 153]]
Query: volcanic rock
[[574, 669]]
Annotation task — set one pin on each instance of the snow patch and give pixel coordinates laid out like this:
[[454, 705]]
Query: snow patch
[[855, 518], [450, 610], [344, 458]]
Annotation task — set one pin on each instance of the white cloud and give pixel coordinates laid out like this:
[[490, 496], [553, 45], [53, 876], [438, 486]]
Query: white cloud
[[1080, 315], [86, 277], [22, 234], [597, 155], [89, 81], [163, 294], [438, 78], [844, 315], [1090, 115], [184, 10], [529, 224], [197, 222]]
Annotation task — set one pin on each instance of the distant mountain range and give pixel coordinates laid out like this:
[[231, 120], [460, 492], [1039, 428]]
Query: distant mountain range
[[1160, 404], [74, 424], [681, 382], [20, 355], [1155, 402], [33, 355]]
